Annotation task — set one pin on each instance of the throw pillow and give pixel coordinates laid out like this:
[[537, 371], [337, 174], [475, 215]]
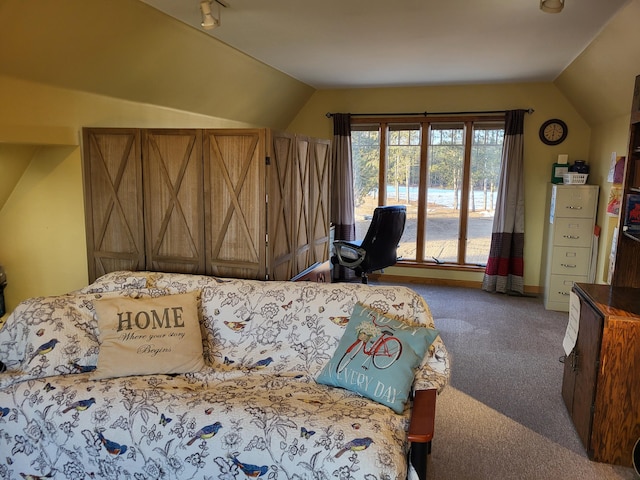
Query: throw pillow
[[149, 336], [119, 280], [57, 335], [377, 357]]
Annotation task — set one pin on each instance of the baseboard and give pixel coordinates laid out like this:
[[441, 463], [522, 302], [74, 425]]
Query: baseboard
[[533, 290]]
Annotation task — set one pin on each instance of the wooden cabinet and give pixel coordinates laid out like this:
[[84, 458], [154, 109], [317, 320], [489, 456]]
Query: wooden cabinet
[[601, 382], [572, 217], [626, 271], [228, 202]]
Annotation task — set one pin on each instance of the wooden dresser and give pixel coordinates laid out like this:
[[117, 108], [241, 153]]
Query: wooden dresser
[[601, 383]]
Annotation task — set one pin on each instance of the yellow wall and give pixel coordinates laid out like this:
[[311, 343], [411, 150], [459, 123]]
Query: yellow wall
[[599, 83], [611, 136], [14, 160], [544, 98], [44, 248], [42, 245], [593, 95], [76, 63]]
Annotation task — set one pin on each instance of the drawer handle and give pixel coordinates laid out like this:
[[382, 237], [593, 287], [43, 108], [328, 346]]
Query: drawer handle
[[572, 237], [563, 293], [570, 207], [567, 265]]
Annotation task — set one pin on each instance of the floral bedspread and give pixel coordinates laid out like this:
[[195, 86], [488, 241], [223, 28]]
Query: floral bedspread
[[255, 411]]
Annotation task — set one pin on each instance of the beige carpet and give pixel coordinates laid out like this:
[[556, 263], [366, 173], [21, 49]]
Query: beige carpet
[[474, 441], [502, 416]]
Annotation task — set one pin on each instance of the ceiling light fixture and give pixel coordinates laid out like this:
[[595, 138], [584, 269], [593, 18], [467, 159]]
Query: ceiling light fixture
[[209, 22], [551, 6]]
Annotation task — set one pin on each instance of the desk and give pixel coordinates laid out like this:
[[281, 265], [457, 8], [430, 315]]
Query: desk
[[318, 272]]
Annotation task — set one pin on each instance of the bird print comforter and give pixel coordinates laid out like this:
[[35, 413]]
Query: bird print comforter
[[254, 411]]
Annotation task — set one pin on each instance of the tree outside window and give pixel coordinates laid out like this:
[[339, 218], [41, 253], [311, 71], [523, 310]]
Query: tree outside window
[[449, 211]]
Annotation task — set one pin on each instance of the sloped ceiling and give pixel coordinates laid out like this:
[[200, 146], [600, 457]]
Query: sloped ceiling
[[380, 43], [128, 50], [599, 83], [122, 48]]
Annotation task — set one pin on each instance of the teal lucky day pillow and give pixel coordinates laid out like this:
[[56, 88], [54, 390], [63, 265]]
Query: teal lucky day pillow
[[377, 357]]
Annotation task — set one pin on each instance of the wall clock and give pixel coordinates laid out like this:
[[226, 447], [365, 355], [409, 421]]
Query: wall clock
[[553, 132]]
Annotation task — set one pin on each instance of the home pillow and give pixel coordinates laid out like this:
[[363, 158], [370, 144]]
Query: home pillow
[[149, 336], [57, 335], [377, 357]]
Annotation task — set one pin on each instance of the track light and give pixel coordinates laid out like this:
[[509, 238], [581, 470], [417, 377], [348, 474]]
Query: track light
[[209, 22], [551, 6]]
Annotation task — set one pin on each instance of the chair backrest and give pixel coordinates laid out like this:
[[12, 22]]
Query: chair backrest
[[383, 236]]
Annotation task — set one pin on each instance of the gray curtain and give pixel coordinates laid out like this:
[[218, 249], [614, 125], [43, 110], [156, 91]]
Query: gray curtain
[[342, 200], [504, 272]]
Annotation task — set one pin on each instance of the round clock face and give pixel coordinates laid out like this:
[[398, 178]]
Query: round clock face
[[553, 132]]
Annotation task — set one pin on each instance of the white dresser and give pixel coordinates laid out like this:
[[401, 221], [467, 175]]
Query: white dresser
[[572, 216]]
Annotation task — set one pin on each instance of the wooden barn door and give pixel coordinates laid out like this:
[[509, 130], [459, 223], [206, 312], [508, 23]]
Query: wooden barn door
[[319, 163], [235, 203], [112, 170], [281, 200], [173, 192], [301, 217]]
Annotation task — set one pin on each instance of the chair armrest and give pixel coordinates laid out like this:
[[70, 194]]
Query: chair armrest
[[349, 263], [423, 415]]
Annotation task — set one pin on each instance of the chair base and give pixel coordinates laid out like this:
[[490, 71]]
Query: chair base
[[364, 276]]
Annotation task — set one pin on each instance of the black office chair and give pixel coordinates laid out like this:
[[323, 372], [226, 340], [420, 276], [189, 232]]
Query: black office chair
[[379, 247]]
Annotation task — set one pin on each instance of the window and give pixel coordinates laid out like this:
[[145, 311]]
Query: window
[[365, 153], [445, 171]]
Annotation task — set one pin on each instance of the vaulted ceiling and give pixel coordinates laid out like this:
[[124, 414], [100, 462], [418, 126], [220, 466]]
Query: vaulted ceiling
[[367, 43]]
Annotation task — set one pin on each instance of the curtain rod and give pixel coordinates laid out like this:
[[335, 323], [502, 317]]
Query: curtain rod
[[424, 114]]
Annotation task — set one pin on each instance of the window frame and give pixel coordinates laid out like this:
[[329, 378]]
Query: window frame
[[383, 123]]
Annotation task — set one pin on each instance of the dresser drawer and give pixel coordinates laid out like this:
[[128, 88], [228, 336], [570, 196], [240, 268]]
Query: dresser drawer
[[575, 201], [570, 260], [573, 232], [560, 287]]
